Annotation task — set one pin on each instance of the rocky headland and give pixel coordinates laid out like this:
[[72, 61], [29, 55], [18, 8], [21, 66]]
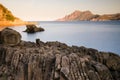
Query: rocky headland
[[89, 16], [21, 60], [8, 19]]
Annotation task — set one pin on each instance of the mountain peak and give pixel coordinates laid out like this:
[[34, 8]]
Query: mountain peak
[[88, 12], [89, 16], [77, 11], [77, 15]]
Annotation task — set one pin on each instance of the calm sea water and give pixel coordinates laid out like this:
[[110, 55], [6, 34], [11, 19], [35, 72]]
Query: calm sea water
[[104, 36]]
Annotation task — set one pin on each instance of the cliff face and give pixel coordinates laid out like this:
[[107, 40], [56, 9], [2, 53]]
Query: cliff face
[[88, 16], [56, 61], [8, 19], [5, 14]]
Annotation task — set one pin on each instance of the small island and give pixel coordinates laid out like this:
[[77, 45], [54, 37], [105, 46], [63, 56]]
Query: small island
[[33, 28]]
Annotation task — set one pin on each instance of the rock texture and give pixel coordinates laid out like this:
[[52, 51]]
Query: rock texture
[[33, 29], [9, 37], [88, 16], [56, 61]]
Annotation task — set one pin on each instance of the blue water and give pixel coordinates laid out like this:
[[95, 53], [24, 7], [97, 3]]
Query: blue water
[[104, 36]]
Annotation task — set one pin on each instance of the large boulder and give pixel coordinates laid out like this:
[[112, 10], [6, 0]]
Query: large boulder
[[9, 37], [33, 29]]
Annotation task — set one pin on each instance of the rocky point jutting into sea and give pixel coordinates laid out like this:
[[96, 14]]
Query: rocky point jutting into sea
[[21, 60], [8, 19]]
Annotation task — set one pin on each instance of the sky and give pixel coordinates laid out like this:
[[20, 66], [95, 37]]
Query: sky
[[48, 10]]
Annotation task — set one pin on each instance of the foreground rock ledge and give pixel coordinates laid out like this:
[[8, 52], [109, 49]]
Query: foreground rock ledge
[[56, 61]]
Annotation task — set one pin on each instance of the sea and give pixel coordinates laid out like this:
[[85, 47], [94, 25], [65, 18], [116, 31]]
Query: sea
[[100, 35]]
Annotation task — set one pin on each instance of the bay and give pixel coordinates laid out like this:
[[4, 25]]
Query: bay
[[103, 35]]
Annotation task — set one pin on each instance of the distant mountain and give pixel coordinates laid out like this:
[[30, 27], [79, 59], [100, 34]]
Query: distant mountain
[[107, 17], [89, 16]]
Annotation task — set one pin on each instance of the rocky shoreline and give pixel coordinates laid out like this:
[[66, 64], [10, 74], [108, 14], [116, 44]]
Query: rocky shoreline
[[53, 61]]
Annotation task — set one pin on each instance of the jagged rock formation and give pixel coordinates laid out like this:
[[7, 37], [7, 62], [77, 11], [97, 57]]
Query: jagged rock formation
[[56, 61], [33, 29], [9, 37], [88, 16]]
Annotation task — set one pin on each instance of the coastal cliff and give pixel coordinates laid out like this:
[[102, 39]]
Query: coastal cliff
[[5, 14], [53, 61], [8, 19], [89, 16]]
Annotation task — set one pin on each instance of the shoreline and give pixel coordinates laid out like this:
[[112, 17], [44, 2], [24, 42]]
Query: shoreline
[[4, 24]]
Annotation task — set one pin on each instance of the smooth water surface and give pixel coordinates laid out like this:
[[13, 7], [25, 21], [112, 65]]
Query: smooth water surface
[[104, 36]]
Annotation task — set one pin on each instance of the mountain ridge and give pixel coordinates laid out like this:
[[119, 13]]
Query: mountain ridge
[[89, 16]]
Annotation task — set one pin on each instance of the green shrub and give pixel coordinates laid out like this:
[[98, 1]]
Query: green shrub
[[10, 17]]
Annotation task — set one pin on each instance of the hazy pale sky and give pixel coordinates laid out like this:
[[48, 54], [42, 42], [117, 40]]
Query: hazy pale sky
[[54, 9]]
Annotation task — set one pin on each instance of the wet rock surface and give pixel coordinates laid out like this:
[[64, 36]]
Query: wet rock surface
[[56, 61], [33, 29]]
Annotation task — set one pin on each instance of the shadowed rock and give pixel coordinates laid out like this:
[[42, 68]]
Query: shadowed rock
[[56, 61], [33, 29]]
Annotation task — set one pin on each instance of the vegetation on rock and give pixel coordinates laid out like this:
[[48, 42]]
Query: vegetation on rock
[[5, 14], [8, 19]]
